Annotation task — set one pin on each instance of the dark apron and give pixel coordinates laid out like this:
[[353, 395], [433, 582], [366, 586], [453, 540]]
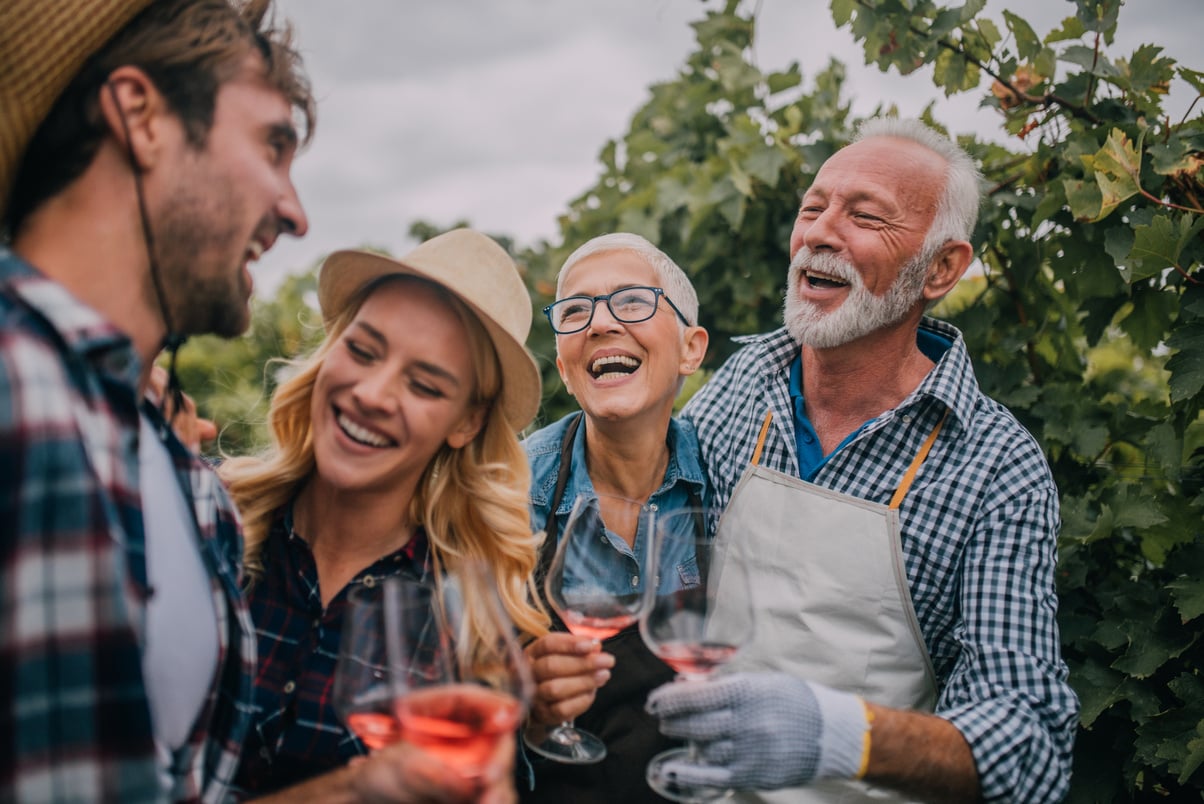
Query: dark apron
[[617, 715]]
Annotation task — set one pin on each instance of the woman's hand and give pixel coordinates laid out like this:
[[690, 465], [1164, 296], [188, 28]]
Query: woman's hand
[[190, 428], [568, 670]]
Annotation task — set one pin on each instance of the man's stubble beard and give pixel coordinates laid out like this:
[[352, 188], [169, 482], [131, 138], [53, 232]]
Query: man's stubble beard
[[200, 251]]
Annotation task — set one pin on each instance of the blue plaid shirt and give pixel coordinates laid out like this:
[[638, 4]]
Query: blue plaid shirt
[[979, 530], [75, 722]]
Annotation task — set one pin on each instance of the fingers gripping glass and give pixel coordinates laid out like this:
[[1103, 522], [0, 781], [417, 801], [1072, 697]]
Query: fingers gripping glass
[[628, 306]]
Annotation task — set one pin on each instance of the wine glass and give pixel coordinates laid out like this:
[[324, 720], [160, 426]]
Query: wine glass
[[364, 690], [698, 617], [457, 680], [592, 597]]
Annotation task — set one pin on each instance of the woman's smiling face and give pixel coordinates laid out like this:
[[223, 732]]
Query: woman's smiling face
[[616, 370], [396, 386]]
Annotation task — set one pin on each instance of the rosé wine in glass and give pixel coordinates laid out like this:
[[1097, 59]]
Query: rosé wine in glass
[[460, 723], [697, 626], [375, 729], [582, 587]]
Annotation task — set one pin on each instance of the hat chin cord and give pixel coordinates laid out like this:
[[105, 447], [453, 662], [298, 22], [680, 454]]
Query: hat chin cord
[[172, 341]]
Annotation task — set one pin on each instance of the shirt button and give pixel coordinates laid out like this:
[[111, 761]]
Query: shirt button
[[635, 580], [289, 686], [369, 581], [652, 507], [807, 439], [317, 622], [265, 753], [906, 419]]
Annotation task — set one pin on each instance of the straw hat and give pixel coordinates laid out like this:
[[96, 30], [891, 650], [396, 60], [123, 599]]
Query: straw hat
[[481, 274], [43, 45]]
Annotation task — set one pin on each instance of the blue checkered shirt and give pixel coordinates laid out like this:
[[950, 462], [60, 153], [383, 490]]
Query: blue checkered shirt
[[75, 722], [979, 529]]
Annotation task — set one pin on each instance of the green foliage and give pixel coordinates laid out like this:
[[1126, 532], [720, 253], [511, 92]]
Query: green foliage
[[1087, 319], [232, 381], [1090, 327]]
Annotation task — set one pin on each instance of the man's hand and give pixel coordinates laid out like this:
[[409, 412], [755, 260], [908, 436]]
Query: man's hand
[[762, 731]]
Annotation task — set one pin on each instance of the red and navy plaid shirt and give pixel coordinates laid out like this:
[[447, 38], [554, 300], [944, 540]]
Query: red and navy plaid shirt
[[75, 722], [296, 732]]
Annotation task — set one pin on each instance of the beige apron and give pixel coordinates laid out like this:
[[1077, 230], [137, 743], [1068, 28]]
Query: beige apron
[[831, 597]]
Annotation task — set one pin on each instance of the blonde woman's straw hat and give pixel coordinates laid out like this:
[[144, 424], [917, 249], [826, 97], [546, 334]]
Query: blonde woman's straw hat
[[477, 271], [43, 45]]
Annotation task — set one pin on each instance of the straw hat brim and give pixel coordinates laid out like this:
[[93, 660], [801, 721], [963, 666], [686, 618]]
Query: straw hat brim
[[477, 271], [43, 46]]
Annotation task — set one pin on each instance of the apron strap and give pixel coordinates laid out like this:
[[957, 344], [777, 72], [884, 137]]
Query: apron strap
[[910, 474], [908, 477], [756, 458], [551, 528]]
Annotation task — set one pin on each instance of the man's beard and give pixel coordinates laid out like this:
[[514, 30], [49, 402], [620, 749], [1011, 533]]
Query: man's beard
[[861, 312], [199, 250]]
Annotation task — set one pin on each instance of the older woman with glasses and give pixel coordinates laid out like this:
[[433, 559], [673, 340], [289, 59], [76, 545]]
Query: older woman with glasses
[[627, 335]]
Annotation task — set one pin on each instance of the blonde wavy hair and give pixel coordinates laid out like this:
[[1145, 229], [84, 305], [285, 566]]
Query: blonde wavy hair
[[471, 501]]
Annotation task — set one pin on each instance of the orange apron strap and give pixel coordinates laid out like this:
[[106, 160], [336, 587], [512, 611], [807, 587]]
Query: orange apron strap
[[910, 475], [756, 458]]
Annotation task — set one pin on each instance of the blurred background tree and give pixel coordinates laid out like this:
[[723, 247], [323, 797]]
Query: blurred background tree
[[1086, 317]]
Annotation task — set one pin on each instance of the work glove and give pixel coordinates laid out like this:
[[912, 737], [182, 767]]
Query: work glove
[[762, 731]]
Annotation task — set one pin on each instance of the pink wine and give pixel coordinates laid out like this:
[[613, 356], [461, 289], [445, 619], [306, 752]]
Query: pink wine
[[596, 627], [459, 723], [375, 729], [694, 658]]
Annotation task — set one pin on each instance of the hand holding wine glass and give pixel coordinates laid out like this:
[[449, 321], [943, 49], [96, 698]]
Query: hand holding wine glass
[[695, 625], [591, 588], [445, 674]]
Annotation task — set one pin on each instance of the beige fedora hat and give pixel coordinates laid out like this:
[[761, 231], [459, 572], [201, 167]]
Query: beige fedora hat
[[481, 274], [43, 45]]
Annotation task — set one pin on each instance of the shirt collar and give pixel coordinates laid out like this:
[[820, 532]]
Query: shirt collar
[[951, 382], [684, 465], [82, 329]]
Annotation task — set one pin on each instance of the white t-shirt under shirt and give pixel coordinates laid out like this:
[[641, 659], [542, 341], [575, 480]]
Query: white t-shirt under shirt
[[180, 658]]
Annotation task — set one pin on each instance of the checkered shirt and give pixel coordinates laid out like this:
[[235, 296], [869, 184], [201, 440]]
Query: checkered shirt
[[296, 732], [979, 530], [75, 720]]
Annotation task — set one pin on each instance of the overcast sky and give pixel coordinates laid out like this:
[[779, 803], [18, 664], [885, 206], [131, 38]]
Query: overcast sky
[[495, 110]]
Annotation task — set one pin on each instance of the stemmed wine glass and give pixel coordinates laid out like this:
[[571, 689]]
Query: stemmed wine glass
[[591, 598], [694, 622], [364, 688], [435, 664]]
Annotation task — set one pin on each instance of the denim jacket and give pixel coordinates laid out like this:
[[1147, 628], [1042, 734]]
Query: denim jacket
[[684, 484]]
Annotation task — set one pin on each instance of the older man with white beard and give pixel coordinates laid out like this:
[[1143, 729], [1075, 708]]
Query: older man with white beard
[[900, 526]]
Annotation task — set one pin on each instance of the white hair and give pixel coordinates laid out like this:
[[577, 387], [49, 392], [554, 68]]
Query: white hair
[[957, 211], [672, 279]]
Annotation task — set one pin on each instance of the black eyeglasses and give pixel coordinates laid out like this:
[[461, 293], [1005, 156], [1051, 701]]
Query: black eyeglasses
[[628, 306]]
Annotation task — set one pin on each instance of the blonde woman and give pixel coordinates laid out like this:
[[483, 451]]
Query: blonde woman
[[394, 452]]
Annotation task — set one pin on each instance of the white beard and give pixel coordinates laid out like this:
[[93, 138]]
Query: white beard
[[861, 312]]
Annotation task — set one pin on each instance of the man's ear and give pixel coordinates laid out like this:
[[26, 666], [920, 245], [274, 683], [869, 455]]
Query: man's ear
[[948, 268], [134, 112]]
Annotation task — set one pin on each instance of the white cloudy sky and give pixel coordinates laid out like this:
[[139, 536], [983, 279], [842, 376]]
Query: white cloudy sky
[[495, 110]]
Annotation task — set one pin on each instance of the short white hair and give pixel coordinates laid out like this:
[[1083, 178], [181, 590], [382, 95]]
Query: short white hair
[[672, 279], [957, 211]]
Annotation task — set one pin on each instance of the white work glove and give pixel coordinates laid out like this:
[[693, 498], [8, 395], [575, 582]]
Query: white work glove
[[762, 731]]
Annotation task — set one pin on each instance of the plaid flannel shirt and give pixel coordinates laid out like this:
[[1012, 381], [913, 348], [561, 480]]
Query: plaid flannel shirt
[[76, 723], [296, 732], [979, 532]]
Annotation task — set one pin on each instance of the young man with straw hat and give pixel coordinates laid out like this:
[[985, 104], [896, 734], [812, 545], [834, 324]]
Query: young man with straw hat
[[145, 156]]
